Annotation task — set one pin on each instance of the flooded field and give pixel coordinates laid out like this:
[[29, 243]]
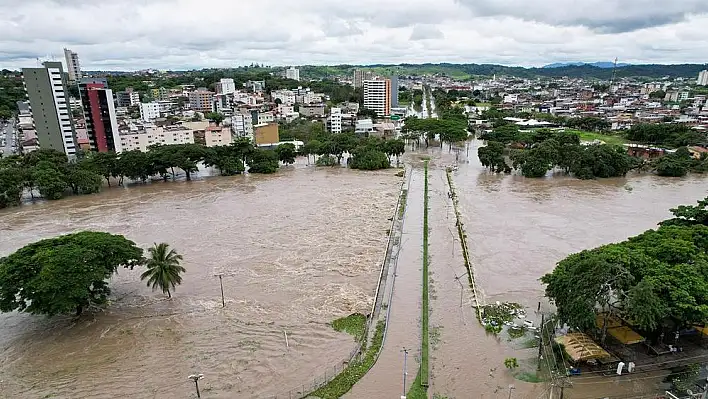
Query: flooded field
[[296, 250]]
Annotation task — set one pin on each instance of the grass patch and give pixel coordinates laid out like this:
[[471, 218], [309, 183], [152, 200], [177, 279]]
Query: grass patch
[[402, 206], [516, 332], [424, 319], [354, 324], [528, 377], [590, 136], [417, 391], [344, 382]]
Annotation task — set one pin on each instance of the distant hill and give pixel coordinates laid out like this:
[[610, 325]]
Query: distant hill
[[468, 71], [595, 64]]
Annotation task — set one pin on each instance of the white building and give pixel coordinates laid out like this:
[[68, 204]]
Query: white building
[[149, 111], [226, 86], [142, 137], [377, 96], [703, 78], [265, 117], [242, 125], [72, 65], [335, 120], [292, 73], [364, 126], [128, 98], [285, 96]]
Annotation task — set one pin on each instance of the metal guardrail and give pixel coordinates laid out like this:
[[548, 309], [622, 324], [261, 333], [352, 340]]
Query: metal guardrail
[[307, 388]]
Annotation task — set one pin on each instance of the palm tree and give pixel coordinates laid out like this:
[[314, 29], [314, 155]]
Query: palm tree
[[163, 268]]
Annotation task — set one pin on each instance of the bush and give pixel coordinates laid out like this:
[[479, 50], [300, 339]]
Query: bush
[[326, 160], [370, 160]]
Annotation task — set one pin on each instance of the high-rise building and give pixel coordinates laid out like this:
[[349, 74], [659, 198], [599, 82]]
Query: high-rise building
[[72, 65], [46, 89], [377, 96], [149, 111], [201, 100], [128, 98], [335, 120], [703, 78], [226, 86], [360, 76], [100, 115], [292, 73], [394, 91]]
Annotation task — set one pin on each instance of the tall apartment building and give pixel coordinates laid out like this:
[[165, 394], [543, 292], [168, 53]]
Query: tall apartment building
[[703, 78], [335, 120], [149, 111], [226, 86], [242, 125], [201, 100], [46, 89], [292, 73], [142, 137], [72, 65], [99, 114], [127, 98], [377, 96], [394, 91], [360, 76]]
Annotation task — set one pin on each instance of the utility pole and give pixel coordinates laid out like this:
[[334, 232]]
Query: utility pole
[[405, 372], [540, 341], [221, 283], [511, 387], [196, 378]]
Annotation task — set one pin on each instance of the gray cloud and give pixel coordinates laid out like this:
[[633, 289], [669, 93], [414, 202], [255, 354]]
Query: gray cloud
[[606, 16], [424, 32], [178, 34]]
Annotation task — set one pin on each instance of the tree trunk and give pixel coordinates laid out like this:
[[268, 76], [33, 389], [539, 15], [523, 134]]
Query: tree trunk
[[168, 294], [79, 310], [189, 177], [108, 179], [173, 172]]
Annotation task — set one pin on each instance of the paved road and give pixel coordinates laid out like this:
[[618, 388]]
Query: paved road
[[7, 131], [385, 379]]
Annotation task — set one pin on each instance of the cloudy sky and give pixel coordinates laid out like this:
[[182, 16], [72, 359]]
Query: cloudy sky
[[184, 34]]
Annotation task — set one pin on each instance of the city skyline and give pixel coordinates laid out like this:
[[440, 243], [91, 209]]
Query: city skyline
[[133, 35]]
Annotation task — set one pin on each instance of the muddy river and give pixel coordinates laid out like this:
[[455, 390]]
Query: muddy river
[[296, 250]]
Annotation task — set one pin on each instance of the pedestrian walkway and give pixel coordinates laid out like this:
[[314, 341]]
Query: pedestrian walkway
[[403, 306]]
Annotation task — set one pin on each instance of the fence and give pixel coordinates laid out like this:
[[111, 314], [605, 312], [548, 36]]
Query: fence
[[463, 242], [305, 389]]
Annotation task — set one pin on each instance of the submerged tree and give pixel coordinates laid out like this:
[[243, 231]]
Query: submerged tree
[[163, 269], [65, 273]]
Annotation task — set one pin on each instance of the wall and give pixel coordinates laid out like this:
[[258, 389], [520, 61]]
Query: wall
[[267, 134]]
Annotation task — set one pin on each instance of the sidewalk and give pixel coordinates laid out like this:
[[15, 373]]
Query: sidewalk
[[385, 379]]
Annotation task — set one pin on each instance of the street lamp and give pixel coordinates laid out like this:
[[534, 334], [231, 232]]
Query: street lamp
[[405, 372], [196, 378]]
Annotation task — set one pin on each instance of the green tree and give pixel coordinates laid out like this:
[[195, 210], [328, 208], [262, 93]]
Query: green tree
[[50, 182], [492, 157], [65, 273], [11, 182], [263, 161], [215, 117], [686, 215], [511, 363], [134, 165], [163, 269], [311, 147], [82, 180], [5, 115], [104, 163], [369, 160], [286, 153]]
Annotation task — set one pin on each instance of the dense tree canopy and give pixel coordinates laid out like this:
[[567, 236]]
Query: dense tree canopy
[[667, 134], [657, 276], [65, 273]]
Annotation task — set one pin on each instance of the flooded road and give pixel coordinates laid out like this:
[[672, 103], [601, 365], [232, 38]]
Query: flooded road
[[297, 250]]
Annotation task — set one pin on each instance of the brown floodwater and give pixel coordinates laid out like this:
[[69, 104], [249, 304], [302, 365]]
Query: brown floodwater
[[297, 250]]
